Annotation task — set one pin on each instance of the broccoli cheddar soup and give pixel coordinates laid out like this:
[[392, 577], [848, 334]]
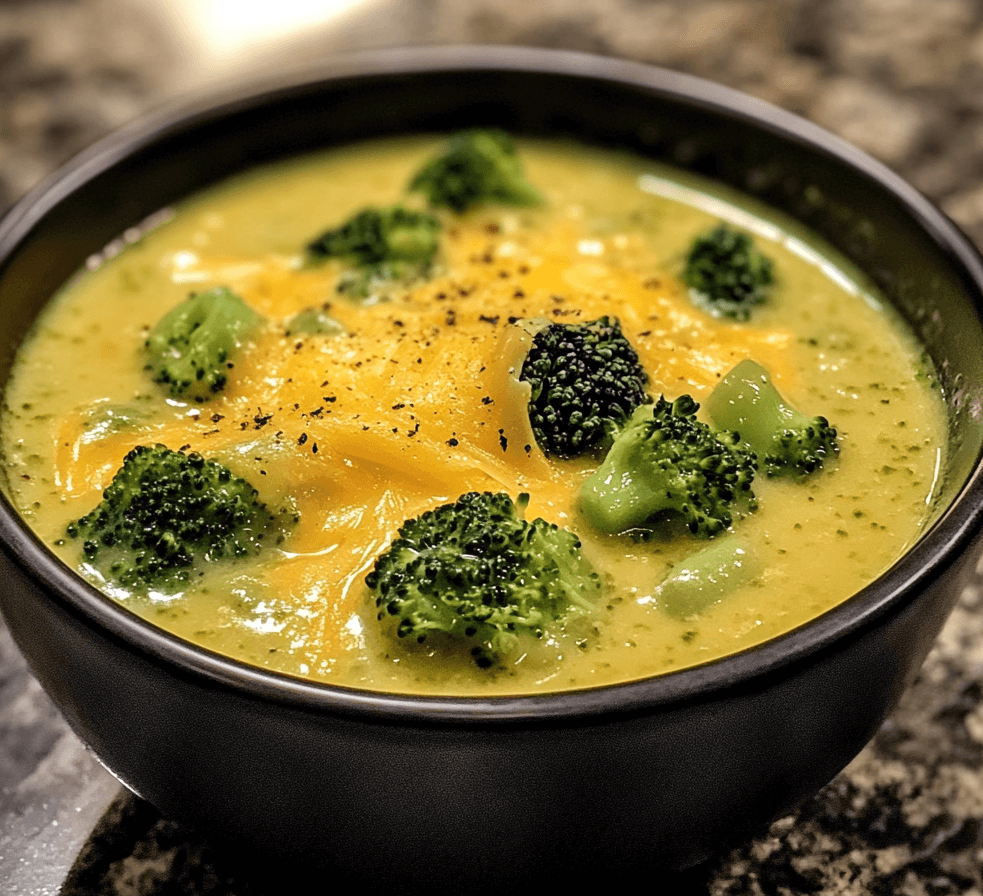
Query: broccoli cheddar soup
[[472, 415]]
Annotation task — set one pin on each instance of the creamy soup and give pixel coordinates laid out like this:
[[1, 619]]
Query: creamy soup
[[413, 404]]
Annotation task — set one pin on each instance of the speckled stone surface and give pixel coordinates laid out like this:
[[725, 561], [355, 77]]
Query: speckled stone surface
[[903, 79]]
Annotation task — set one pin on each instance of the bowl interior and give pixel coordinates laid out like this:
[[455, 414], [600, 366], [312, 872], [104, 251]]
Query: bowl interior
[[910, 251]]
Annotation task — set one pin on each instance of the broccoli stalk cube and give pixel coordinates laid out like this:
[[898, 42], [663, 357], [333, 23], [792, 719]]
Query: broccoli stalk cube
[[478, 166], [476, 574], [706, 577], [726, 274], [314, 322], [786, 441], [190, 348], [666, 468], [586, 381], [166, 513]]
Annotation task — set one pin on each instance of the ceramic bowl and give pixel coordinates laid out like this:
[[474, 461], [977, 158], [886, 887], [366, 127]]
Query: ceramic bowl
[[445, 793]]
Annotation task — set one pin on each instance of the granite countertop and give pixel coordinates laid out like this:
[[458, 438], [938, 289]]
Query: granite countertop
[[903, 79]]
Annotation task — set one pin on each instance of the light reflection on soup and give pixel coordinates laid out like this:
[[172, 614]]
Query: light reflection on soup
[[412, 406]]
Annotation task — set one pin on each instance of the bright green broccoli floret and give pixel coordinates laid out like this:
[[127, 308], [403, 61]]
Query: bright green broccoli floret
[[191, 347], [476, 573], [477, 166], [167, 513], [785, 440], [586, 381], [726, 274], [665, 468]]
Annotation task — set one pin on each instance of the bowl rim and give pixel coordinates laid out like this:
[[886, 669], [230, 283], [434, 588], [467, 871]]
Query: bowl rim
[[920, 565]]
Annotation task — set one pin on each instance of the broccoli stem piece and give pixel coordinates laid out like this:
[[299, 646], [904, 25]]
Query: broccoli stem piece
[[726, 274], [191, 347], [478, 166], [586, 381], [167, 513], [706, 577], [786, 441], [666, 468], [314, 322], [477, 575]]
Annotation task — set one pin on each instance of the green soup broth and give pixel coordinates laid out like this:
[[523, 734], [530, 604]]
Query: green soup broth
[[609, 239]]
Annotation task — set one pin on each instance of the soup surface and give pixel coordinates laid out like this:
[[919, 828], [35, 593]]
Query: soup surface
[[413, 405]]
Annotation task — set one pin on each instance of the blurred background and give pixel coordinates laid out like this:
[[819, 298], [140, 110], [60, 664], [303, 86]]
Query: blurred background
[[902, 79]]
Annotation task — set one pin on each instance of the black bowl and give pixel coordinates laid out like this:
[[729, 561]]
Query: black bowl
[[659, 773]]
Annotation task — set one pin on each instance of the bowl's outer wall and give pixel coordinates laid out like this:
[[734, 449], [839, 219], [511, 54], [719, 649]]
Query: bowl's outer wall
[[635, 786], [354, 797]]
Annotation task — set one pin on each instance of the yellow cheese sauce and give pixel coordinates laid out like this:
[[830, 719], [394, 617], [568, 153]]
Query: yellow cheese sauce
[[414, 405]]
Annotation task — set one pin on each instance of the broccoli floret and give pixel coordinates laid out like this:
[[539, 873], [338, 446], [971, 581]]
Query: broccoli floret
[[726, 274], [166, 513], [586, 381], [384, 244], [477, 574], [314, 322], [785, 440], [477, 166], [191, 346], [664, 468]]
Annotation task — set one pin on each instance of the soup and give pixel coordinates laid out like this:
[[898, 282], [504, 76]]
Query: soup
[[401, 398]]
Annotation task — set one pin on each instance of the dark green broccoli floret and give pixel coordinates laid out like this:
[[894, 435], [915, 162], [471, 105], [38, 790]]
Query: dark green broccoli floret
[[785, 440], [726, 274], [386, 246], [166, 513], [191, 346], [478, 574], [586, 381], [477, 166], [665, 468]]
